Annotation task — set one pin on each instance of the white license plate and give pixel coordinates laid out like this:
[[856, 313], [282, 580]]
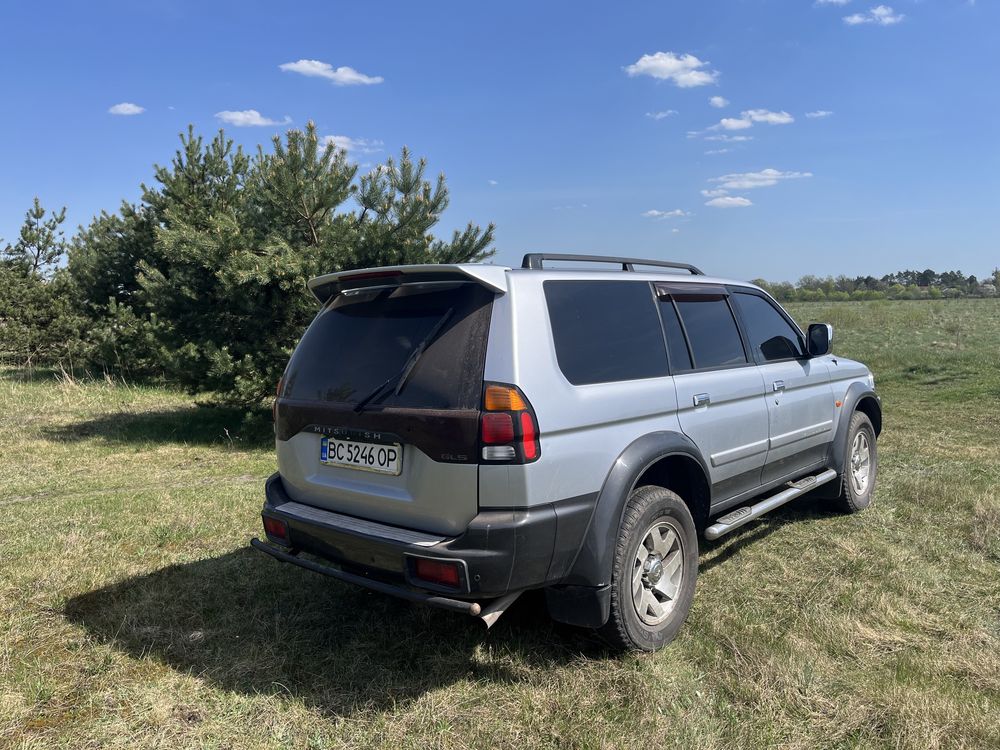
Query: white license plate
[[356, 454]]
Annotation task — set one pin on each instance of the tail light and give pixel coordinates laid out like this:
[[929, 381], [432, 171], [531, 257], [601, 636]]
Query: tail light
[[508, 429]]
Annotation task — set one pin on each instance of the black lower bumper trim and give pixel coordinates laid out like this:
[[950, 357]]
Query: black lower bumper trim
[[455, 605]]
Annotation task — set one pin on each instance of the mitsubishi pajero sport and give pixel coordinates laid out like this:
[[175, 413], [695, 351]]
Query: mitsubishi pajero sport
[[458, 434]]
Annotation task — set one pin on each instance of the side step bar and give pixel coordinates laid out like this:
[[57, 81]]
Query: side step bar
[[736, 518]]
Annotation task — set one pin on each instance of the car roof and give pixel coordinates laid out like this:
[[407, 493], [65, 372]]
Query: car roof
[[601, 274]]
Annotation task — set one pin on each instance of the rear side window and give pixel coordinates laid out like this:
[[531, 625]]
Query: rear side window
[[362, 339], [712, 332], [771, 336], [605, 331]]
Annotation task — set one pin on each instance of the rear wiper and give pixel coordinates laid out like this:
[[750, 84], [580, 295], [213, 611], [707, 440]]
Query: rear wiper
[[400, 377]]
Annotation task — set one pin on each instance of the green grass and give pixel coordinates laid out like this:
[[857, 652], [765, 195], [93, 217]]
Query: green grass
[[133, 615]]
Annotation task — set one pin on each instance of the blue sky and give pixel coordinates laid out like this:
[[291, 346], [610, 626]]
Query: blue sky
[[575, 126]]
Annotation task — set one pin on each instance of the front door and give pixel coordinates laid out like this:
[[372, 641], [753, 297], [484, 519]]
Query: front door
[[799, 397]]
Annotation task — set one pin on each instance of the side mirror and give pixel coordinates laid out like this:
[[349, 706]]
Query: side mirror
[[820, 339]]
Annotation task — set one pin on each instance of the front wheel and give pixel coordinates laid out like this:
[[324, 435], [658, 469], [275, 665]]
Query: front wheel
[[655, 570], [860, 468]]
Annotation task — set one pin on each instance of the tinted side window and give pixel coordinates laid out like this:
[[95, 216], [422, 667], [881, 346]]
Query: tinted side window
[[771, 336], [605, 331], [711, 329], [680, 358]]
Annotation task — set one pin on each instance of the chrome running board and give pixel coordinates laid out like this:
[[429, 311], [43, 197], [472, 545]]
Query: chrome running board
[[736, 518]]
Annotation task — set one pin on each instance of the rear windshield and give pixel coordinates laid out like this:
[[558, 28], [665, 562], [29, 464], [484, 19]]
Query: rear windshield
[[360, 340]]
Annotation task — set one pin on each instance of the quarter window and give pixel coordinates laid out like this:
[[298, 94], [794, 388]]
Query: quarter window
[[680, 358], [605, 331], [712, 332], [771, 336]]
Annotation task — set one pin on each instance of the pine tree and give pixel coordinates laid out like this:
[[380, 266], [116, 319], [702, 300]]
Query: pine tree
[[40, 244], [38, 322], [205, 281]]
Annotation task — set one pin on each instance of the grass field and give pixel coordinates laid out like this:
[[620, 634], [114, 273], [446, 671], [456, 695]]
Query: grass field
[[133, 615]]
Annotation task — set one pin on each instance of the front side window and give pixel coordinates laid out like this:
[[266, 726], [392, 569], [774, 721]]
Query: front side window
[[712, 333], [605, 331], [771, 336]]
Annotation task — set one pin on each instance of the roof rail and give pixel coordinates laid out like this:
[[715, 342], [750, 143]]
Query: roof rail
[[534, 261]]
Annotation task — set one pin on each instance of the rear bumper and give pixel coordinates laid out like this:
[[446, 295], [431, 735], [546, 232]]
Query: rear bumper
[[469, 608], [502, 550]]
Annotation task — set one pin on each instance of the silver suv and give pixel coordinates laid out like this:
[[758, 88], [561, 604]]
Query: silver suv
[[458, 434]]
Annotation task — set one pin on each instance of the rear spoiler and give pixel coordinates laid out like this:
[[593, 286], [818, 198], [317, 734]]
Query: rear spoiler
[[330, 285]]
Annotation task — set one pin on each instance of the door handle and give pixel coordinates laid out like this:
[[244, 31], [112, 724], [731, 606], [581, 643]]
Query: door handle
[[702, 399], [778, 385]]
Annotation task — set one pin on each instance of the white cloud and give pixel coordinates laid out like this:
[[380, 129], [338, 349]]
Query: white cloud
[[342, 76], [733, 123], [729, 201], [764, 178], [714, 192], [729, 138], [353, 145], [247, 118], [493, 182], [675, 230], [654, 213], [685, 71], [126, 108], [882, 15], [661, 115], [718, 102], [717, 151], [748, 117], [819, 114], [771, 118]]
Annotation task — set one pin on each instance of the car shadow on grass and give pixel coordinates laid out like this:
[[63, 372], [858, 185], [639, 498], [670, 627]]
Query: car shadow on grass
[[255, 626], [190, 425]]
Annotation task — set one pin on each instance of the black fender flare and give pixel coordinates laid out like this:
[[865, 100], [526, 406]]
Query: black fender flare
[[856, 394], [594, 561]]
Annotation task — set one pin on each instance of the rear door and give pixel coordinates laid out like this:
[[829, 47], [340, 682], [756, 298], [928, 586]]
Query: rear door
[[800, 401], [720, 393], [351, 438]]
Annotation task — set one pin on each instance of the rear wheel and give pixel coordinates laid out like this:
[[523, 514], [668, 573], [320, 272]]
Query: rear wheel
[[655, 569], [860, 470]]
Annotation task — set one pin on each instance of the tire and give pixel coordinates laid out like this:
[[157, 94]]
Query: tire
[[856, 495], [652, 513]]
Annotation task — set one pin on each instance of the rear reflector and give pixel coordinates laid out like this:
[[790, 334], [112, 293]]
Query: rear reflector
[[440, 572], [498, 428], [276, 530]]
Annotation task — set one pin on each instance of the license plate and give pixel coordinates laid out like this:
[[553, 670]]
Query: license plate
[[384, 458]]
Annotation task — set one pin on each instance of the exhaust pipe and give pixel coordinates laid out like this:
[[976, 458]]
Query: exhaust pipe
[[490, 613]]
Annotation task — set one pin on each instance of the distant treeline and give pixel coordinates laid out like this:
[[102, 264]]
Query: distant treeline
[[925, 284]]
